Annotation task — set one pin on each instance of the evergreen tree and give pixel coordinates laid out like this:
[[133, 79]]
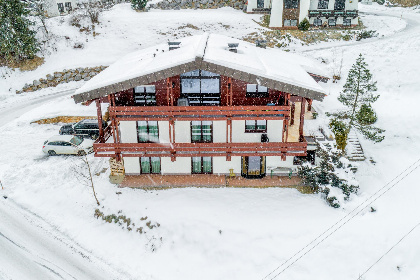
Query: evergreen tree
[[138, 4], [357, 96], [17, 40], [330, 173]]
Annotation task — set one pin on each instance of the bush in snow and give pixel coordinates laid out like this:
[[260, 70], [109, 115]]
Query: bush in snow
[[138, 5], [304, 25], [332, 177]]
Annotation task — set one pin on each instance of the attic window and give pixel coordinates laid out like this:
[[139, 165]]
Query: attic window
[[173, 45], [233, 47], [254, 90]]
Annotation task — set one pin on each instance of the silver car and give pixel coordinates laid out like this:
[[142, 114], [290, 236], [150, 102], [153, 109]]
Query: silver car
[[67, 145]]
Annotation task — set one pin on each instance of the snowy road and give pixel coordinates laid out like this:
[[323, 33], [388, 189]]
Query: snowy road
[[31, 247], [14, 111]]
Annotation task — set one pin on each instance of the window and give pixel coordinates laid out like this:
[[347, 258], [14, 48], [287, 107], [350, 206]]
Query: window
[[339, 5], [150, 165], [332, 22], [323, 4], [201, 132], [255, 126], [317, 22], [291, 4], [145, 95], [60, 7], [147, 131], [68, 6], [201, 165], [254, 90], [346, 21], [290, 22], [201, 88]]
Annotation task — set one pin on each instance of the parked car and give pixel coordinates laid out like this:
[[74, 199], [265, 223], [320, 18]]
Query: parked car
[[67, 145], [84, 128]]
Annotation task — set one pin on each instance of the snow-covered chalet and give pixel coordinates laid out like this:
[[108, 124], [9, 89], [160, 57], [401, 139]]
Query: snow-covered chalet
[[287, 14], [206, 104]]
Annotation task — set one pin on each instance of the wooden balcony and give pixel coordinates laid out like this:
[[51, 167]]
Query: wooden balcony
[[199, 149], [194, 113], [333, 13]]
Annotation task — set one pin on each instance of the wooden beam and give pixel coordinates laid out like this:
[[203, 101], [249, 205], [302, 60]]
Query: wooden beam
[[99, 113], [302, 119]]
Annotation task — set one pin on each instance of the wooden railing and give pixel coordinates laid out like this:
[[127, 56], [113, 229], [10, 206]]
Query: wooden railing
[[333, 13], [200, 149], [193, 113]]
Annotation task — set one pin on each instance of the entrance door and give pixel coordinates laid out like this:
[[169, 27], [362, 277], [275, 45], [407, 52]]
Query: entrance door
[[253, 167]]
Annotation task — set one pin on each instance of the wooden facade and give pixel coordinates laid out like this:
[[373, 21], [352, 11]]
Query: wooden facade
[[234, 105]]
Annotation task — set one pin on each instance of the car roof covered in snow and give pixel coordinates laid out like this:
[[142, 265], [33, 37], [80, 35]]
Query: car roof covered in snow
[[272, 68], [65, 138]]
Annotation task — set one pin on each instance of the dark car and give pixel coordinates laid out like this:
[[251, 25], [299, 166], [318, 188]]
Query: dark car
[[85, 128]]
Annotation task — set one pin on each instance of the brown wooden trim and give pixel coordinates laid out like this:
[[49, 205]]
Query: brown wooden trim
[[200, 149], [292, 114], [99, 113], [302, 118]]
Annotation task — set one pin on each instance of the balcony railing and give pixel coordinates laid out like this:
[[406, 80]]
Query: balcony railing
[[193, 113], [333, 13], [199, 149]]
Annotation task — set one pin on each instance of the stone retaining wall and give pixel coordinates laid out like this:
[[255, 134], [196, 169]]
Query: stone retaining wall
[[63, 77], [198, 4]]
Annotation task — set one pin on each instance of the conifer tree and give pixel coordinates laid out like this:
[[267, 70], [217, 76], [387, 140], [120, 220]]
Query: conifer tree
[[357, 96], [17, 40]]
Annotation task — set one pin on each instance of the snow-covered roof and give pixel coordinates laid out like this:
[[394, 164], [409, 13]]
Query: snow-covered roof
[[272, 68]]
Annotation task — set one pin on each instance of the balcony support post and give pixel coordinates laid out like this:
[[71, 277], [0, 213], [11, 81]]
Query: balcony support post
[[302, 119], [114, 124], [99, 113]]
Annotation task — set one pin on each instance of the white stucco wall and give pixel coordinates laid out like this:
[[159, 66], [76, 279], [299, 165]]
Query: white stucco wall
[[252, 4], [222, 166], [276, 19], [182, 132], [182, 165], [274, 130], [52, 7], [303, 9], [128, 132], [219, 131], [163, 131], [274, 162], [132, 165]]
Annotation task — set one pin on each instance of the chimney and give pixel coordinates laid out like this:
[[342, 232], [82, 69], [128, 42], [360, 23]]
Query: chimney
[[233, 47], [261, 43], [173, 45]]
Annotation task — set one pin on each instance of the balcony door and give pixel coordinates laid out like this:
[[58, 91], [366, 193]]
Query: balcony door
[[201, 88], [253, 167]]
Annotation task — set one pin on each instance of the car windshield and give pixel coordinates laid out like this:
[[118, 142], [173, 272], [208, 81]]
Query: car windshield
[[76, 140]]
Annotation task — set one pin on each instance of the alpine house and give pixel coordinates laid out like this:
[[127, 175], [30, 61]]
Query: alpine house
[[207, 104]]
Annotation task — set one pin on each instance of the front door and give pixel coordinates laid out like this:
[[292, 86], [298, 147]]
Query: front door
[[253, 167]]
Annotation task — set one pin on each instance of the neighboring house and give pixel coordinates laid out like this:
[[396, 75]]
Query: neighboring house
[[287, 14], [60, 7], [211, 105]]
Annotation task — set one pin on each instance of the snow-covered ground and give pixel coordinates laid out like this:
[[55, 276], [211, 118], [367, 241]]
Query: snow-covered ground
[[215, 233]]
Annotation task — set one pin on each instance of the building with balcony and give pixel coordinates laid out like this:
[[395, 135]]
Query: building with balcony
[[287, 14], [208, 104]]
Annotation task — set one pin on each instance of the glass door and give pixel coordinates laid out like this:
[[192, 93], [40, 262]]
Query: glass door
[[253, 167]]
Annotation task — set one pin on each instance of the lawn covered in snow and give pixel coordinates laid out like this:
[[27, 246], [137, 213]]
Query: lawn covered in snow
[[229, 233]]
